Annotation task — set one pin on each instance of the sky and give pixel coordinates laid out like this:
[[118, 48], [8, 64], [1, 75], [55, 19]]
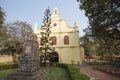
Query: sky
[[32, 11]]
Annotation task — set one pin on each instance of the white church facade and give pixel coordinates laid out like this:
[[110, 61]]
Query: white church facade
[[66, 40]]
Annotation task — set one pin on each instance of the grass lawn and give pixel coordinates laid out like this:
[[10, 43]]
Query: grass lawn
[[56, 73], [52, 73], [4, 73]]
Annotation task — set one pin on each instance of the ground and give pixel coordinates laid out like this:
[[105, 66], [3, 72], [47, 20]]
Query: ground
[[87, 69], [52, 73], [56, 73]]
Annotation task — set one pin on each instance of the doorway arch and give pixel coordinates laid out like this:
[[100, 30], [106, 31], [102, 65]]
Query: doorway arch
[[54, 57]]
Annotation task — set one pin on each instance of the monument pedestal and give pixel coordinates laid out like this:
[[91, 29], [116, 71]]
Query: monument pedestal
[[28, 69]]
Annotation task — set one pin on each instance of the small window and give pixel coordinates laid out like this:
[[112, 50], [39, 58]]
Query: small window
[[42, 41], [66, 40], [54, 24], [53, 40]]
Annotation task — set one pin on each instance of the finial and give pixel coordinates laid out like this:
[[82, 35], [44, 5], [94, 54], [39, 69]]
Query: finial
[[75, 24], [56, 10], [36, 26]]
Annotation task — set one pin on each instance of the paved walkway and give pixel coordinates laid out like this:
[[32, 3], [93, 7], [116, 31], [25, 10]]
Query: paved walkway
[[86, 69]]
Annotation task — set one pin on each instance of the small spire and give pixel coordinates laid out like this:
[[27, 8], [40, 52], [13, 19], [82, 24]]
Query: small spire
[[56, 10], [55, 15], [75, 24], [36, 26]]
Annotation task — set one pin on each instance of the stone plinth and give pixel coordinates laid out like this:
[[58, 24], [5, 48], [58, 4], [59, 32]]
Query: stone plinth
[[29, 64]]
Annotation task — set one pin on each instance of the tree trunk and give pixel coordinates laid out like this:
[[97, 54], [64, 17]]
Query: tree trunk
[[14, 58]]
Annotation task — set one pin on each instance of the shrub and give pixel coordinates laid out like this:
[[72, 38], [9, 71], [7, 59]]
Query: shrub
[[4, 66], [99, 63], [108, 69], [73, 72], [116, 64]]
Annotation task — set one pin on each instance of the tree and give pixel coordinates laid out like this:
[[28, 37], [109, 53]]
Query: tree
[[104, 21], [3, 30], [90, 46], [18, 32], [103, 17], [2, 14], [46, 39]]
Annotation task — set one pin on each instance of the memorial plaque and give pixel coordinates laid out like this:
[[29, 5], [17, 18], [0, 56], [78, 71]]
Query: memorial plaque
[[27, 49]]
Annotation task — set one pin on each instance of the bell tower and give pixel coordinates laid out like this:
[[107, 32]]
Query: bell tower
[[55, 15], [56, 10]]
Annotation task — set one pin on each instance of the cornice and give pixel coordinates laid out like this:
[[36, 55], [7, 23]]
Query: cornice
[[64, 32], [63, 46]]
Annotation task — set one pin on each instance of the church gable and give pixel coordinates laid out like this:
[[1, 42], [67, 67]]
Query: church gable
[[59, 24], [65, 39], [60, 29]]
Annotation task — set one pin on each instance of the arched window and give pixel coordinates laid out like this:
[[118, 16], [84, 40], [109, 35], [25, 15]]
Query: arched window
[[66, 40], [54, 40], [55, 11]]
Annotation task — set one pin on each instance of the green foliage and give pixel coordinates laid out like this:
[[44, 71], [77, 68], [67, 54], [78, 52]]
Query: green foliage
[[4, 66], [103, 17], [57, 73], [90, 45], [5, 73], [46, 39], [110, 69], [98, 63], [73, 72], [2, 14], [104, 24], [17, 32], [3, 30]]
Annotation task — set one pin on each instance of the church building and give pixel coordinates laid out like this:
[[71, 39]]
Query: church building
[[66, 40]]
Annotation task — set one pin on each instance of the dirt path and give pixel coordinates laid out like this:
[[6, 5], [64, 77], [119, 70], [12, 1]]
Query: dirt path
[[97, 74]]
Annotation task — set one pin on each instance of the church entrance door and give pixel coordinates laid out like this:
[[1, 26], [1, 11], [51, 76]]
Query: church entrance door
[[54, 57]]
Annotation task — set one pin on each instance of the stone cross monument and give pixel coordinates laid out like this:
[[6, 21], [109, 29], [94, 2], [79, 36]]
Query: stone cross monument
[[29, 63]]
